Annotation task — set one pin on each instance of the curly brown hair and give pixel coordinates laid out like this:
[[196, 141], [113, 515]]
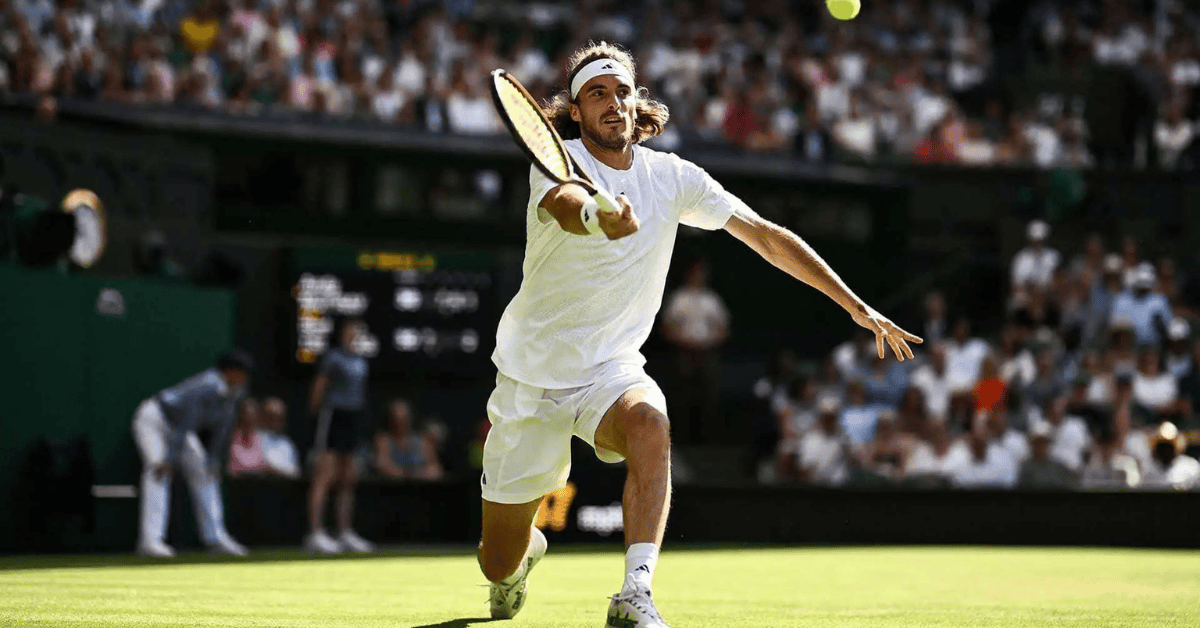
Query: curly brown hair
[[651, 115]]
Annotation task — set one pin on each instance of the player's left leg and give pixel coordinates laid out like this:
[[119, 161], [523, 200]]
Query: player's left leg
[[508, 549], [637, 428], [348, 483]]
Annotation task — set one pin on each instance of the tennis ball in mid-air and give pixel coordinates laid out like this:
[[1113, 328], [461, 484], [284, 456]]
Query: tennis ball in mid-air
[[843, 9]]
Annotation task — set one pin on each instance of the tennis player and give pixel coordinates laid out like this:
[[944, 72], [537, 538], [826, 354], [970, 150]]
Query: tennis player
[[568, 345]]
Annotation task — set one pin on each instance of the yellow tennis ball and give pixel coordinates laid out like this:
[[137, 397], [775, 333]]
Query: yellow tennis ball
[[843, 9]]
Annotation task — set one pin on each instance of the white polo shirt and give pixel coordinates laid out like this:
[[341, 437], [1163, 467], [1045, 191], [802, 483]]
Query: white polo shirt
[[587, 301]]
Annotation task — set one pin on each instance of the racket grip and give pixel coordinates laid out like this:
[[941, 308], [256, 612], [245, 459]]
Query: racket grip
[[606, 201]]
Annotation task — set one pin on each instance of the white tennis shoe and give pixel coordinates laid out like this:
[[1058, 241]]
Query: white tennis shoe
[[633, 608], [155, 549], [226, 545], [351, 541], [507, 600], [321, 543]]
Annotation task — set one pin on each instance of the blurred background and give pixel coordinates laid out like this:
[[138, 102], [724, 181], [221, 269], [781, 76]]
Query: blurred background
[[1014, 181]]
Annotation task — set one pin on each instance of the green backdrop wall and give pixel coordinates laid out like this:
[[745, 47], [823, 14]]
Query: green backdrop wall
[[79, 354]]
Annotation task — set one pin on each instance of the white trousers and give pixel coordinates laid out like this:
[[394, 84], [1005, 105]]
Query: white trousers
[[152, 434]]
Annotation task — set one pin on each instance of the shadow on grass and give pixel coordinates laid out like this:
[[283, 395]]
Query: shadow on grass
[[459, 623]]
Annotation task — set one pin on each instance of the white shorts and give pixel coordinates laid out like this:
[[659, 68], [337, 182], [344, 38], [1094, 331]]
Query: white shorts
[[528, 450]]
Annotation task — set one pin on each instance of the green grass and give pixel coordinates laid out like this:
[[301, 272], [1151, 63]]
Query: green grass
[[810, 587]]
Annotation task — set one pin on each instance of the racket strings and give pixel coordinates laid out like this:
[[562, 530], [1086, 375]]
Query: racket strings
[[533, 129]]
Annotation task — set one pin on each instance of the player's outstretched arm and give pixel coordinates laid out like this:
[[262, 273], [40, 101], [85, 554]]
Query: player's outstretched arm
[[565, 203], [792, 255]]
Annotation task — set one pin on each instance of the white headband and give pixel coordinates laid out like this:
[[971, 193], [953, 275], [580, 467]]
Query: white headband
[[599, 67]]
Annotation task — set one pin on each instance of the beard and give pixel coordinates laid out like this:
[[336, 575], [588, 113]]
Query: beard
[[617, 142]]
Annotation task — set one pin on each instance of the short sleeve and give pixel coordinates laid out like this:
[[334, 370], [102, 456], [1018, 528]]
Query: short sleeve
[[539, 185], [325, 364], [704, 203]]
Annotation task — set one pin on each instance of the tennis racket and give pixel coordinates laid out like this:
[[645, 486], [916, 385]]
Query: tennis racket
[[537, 138]]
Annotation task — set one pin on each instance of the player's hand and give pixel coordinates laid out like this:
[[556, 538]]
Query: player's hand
[[886, 332], [162, 470], [618, 225]]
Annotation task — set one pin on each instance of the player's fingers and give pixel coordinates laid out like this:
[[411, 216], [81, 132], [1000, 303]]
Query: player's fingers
[[879, 344], [895, 344], [909, 337]]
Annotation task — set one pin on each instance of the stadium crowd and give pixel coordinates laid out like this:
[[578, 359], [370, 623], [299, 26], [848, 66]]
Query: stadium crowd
[[1091, 383], [397, 450], [908, 80]]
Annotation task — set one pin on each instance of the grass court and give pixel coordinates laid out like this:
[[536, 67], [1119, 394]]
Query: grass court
[[862, 587]]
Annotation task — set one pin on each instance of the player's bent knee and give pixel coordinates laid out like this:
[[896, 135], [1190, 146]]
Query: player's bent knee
[[645, 425]]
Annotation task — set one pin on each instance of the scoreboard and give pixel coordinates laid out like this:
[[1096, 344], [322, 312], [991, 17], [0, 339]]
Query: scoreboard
[[425, 312]]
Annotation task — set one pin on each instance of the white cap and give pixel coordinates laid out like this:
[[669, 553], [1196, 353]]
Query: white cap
[[1038, 230]]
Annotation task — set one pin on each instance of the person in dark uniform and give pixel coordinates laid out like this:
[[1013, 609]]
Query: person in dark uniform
[[339, 395], [165, 427]]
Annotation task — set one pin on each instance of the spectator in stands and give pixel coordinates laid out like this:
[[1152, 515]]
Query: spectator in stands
[[884, 383], [1088, 267], [1173, 136], [1104, 291], [830, 383], [696, 322], [854, 355], [857, 417], [1153, 388], [277, 448], [811, 141], [886, 454], [1108, 468], [1131, 261], [823, 453], [986, 466], [246, 452], [1147, 310], [201, 29], [933, 380], [798, 414], [964, 355], [1170, 467], [1017, 367], [990, 391], [400, 451], [855, 134], [1069, 437], [936, 326], [1040, 470], [912, 415], [1046, 385], [469, 111], [933, 461], [1035, 263], [388, 100], [1001, 435]]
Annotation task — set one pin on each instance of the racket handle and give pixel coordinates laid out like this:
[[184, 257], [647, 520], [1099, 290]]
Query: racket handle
[[606, 201]]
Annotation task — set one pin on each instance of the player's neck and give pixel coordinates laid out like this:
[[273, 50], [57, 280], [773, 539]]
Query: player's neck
[[615, 159]]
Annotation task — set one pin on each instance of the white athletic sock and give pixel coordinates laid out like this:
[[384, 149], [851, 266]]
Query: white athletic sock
[[640, 560]]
